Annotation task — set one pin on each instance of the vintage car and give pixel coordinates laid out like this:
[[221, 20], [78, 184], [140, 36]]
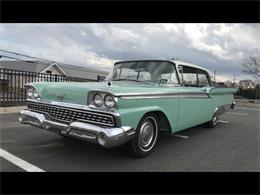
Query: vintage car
[[137, 100]]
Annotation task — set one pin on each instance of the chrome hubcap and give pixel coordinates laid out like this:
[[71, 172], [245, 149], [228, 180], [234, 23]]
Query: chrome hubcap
[[146, 134]]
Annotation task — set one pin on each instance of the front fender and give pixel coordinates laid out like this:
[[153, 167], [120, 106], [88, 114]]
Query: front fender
[[132, 116]]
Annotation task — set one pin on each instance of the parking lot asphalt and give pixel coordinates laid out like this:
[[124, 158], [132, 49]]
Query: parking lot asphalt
[[233, 145]]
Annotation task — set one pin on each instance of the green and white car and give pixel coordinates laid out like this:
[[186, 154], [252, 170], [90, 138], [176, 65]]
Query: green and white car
[[137, 101]]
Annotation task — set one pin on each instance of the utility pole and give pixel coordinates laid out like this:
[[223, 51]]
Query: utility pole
[[215, 75], [234, 79]]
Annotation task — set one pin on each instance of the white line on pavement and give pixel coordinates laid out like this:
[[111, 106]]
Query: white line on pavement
[[238, 113], [241, 108], [181, 136], [19, 162], [223, 121]]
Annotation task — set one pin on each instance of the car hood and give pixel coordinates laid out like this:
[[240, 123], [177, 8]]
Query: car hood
[[76, 92]]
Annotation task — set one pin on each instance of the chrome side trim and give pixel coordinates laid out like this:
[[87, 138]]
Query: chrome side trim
[[151, 95], [160, 95], [211, 91], [165, 95], [223, 93]]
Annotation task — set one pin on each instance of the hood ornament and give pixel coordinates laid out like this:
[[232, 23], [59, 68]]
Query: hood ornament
[[60, 95]]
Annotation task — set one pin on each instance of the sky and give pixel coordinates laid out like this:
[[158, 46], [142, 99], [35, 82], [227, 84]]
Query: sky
[[218, 47]]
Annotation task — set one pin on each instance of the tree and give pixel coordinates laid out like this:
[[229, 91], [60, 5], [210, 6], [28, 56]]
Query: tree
[[251, 66]]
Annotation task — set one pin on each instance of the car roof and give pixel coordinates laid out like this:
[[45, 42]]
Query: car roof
[[177, 62]]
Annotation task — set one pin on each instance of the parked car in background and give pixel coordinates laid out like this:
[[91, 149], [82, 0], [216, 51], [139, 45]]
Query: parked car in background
[[137, 100]]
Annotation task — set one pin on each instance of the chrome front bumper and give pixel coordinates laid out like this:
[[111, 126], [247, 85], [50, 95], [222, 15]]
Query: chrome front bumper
[[104, 136]]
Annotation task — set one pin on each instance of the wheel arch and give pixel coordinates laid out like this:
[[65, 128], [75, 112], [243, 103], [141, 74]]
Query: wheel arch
[[162, 122], [133, 116]]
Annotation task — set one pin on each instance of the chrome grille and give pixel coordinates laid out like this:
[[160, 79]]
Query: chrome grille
[[69, 115]]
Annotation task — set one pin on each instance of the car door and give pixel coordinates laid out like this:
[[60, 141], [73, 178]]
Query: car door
[[195, 104]]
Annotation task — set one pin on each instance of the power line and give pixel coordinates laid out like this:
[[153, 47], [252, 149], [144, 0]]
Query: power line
[[26, 55], [14, 58]]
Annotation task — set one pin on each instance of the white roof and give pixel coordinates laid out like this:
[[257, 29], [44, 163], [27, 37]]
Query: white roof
[[178, 62]]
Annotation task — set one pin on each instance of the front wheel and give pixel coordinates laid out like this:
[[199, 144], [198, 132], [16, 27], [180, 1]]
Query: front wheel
[[145, 137]]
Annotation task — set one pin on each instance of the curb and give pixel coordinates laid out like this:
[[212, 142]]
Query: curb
[[5, 110]]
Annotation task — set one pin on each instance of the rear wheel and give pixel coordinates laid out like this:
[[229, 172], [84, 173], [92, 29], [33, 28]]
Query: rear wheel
[[145, 137], [214, 121]]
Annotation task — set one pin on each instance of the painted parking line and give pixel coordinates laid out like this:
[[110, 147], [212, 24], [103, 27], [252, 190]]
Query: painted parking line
[[238, 113], [221, 121], [241, 108], [180, 136], [19, 162]]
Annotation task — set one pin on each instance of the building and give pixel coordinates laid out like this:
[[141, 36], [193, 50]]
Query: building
[[246, 84], [53, 68]]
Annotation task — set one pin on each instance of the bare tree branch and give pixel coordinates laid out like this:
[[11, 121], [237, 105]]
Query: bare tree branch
[[252, 67]]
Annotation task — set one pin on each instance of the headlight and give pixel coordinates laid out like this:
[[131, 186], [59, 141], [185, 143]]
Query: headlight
[[30, 92], [109, 101], [35, 94], [97, 100]]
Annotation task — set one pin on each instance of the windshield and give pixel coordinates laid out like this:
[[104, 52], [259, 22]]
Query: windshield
[[144, 71]]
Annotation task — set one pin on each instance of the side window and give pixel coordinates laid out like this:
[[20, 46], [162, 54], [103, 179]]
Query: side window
[[189, 76], [193, 76], [203, 79]]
